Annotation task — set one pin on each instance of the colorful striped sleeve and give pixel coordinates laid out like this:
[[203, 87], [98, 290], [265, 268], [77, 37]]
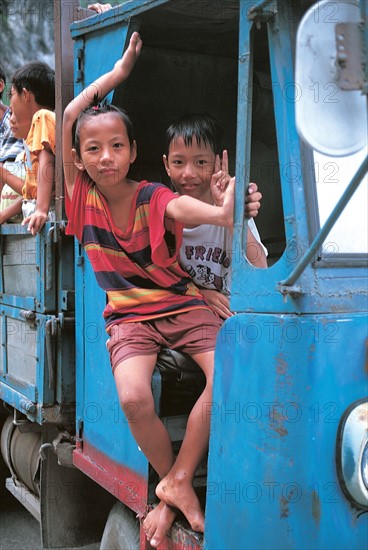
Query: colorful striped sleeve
[[165, 234], [76, 206]]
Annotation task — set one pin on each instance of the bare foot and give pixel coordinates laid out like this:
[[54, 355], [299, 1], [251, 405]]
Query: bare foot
[[180, 494], [157, 523]]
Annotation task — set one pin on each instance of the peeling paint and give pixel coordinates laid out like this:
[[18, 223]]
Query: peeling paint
[[183, 537], [277, 423], [284, 507], [316, 507], [281, 366]]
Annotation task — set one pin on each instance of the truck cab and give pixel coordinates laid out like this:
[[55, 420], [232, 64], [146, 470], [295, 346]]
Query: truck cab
[[282, 393], [287, 459]]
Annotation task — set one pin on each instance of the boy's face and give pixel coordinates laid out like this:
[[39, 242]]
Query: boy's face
[[19, 131], [21, 111], [190, 168], [105, 151]]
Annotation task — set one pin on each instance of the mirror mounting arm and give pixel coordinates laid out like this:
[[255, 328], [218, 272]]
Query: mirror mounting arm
[[348, 43], [259, 14]]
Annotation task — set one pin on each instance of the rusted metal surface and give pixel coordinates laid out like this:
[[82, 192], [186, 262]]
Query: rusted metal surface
[[65, 14], [348, 43]]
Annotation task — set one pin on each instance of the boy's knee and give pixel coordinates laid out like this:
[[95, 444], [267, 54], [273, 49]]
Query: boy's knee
[[135, 402]]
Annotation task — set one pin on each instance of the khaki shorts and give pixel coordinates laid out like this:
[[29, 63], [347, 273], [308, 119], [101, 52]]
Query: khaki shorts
[[191, 332]]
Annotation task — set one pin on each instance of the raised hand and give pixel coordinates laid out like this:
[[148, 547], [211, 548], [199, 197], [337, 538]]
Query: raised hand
[[220, 178], [228, 203], [99, 8], [219, 302], [124, 66]]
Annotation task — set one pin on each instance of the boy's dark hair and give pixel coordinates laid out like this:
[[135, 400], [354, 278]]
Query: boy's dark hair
[[38, 78], [96, 109], [204, 128], [2, 77]]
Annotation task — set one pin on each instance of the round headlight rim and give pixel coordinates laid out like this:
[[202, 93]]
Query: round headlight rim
[[339, 457]]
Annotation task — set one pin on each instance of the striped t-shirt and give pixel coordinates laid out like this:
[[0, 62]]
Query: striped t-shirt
[[139, 268]]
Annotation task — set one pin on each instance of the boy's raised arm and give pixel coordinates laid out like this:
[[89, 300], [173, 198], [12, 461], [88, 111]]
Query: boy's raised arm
[[102, 86], [191, 211]]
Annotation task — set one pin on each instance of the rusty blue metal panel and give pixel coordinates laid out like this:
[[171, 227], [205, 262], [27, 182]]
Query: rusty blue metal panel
[[30, 379], [27, 267], [277, 466], [99, 419], [278, 400], [322, 281], [37, 356], [23, 338], [98, 408], [118, 15], [99, 40], [245, 278]]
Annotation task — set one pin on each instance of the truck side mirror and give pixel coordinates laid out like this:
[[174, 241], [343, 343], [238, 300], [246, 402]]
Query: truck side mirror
[[331, 111]]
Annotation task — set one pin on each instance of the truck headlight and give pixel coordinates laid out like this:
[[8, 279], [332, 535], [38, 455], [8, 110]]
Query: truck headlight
[[365, 466], [352, 453]]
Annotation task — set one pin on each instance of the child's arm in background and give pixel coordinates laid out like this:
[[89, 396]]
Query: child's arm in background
[[11, 179], [254, 251], [45, 185], [99, 8], [12, 210], [102, 86]]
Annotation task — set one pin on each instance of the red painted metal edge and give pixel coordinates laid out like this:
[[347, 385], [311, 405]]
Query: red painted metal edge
[[126, 485], [179, 539], [131, 489]]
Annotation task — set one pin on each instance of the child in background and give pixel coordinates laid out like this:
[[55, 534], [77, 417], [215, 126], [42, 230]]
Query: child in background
[[15, 173], [11, 150], [10, 146], [32, 101], [192, 161], [132, 234], [10, 200]]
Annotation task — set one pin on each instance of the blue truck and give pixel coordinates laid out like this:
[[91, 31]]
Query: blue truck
[[287, 465]]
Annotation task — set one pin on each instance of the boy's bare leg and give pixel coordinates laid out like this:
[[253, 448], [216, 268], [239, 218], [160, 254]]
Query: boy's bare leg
[[176, 488], [133, 381]]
